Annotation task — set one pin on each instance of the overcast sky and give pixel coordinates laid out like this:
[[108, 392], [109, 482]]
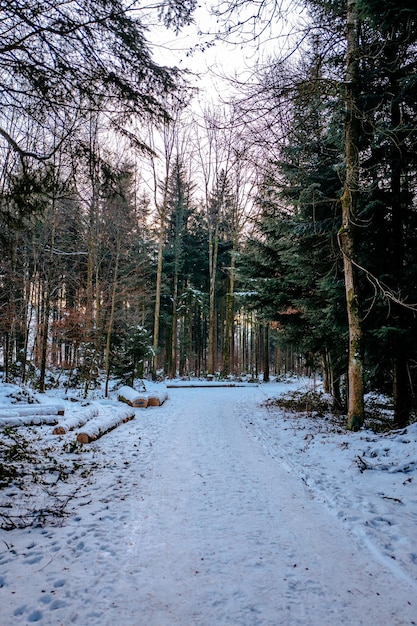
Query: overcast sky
[[213, 64]]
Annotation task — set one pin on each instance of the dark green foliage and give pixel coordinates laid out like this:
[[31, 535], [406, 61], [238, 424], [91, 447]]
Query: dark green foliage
[[177, 13], [24, 195], [130, 348], [386, 16], [62, 53], [389, 212], [294, 263]]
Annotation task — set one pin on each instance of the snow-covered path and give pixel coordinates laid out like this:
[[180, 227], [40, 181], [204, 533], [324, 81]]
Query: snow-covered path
[[192, 523]]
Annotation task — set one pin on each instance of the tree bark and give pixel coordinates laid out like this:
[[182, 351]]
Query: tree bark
[[230, 313], [158, 293], [266, 378], [111, 319], [213, 253], [348, 232]]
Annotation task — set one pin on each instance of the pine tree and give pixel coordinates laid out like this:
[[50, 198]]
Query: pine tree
[[294, 262], [388, 251], [180, 208]]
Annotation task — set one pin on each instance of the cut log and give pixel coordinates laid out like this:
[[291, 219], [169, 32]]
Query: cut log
[[31, 409], [207, 384], [77, 419], [28, 420], [59, 430], [157, 398], [84, 438], [134, 398], [104, 423]]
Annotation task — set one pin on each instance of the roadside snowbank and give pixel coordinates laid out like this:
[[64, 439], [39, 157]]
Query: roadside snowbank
[[366, 479]]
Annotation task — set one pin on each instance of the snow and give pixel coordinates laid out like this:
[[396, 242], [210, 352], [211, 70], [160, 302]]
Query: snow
[[103, 423], [143, 398], [212, 509], [31, 409]]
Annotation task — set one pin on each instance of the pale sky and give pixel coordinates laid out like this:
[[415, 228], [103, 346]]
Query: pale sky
[[213, 64]]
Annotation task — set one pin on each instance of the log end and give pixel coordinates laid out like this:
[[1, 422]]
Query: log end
[[83, 438], [59, 430], [140, 403]]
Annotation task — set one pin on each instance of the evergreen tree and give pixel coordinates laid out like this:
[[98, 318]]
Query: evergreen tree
[[131, 347], [218, 211], [294, 262], [377, 208], [180, 209], [388, 211]]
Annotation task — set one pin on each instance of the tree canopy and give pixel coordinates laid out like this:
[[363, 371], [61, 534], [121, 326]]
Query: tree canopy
[[58, 59]]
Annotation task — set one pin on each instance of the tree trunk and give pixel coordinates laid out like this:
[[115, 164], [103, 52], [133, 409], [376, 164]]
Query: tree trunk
[[111, 319], [213, 252], [266, 353], [158, 293], [402, 390], [47, 302], [230, 313], [348, 233], [174, 337]]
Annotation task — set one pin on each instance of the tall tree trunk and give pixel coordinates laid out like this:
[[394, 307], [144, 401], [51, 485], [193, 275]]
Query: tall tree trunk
[[111, 318], [92, 232], [266, 353], [213, 253], [47, 302], [230, 313], [174, 338], [402, 390], [348, 231], [158, 287]]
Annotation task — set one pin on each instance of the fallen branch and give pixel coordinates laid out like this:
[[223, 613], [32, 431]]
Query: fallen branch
[[386, 467], [393, 499], [362, 465]]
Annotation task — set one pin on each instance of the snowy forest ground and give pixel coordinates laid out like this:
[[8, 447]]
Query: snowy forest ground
[[212, 509]]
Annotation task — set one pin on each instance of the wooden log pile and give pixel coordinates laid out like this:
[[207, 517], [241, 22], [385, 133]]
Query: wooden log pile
[[137, 399], [30, 414], [76, 420], [104, 423], [141, 399]]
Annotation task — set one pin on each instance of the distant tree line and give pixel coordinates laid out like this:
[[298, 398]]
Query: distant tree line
[[276, 233]]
